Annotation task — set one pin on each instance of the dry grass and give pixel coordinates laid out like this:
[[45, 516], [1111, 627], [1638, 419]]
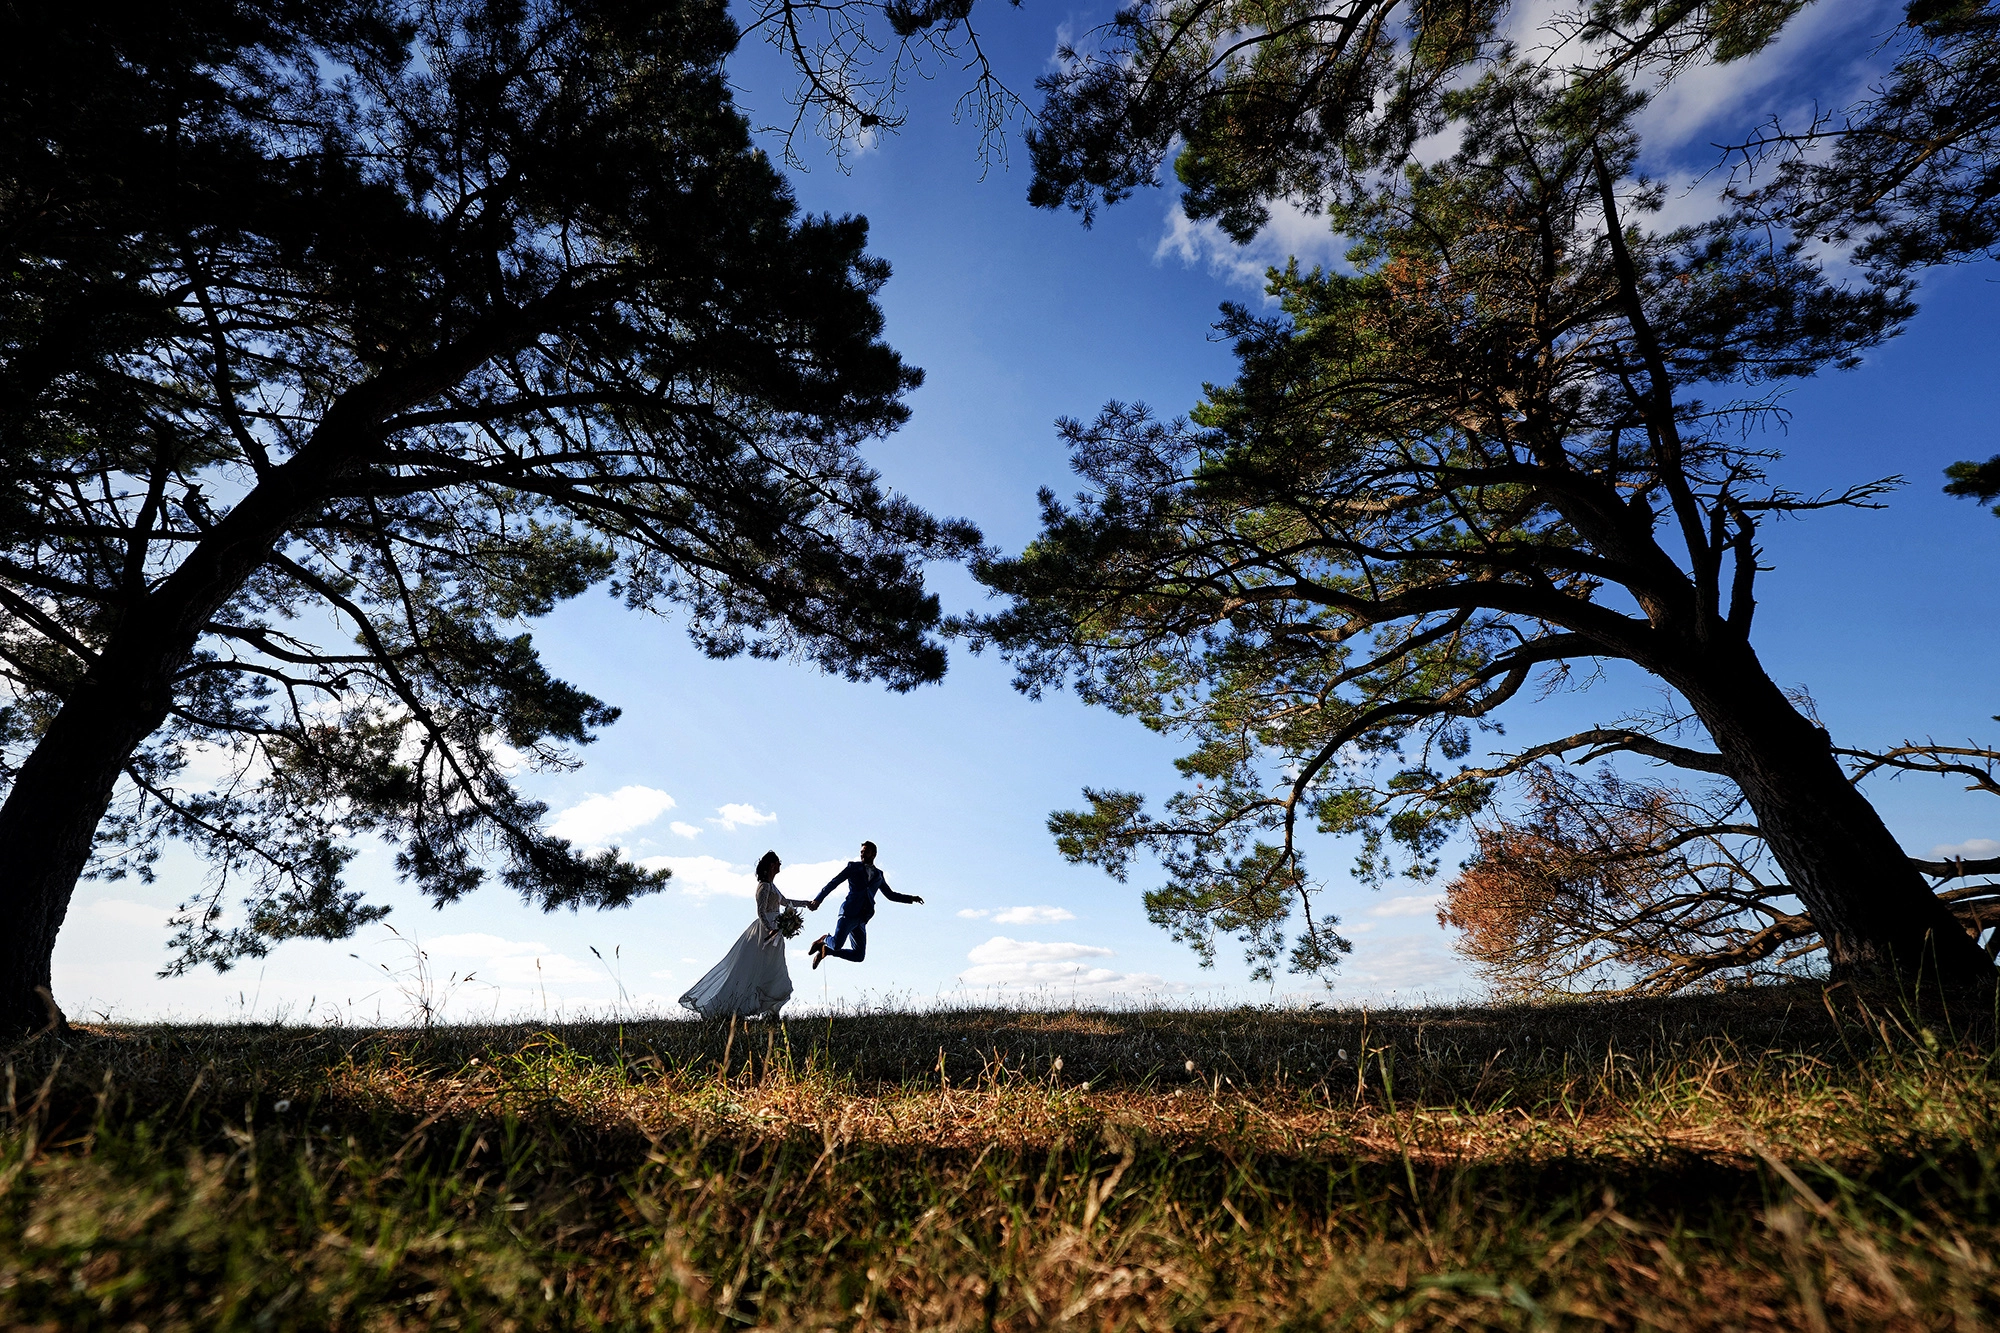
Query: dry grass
[[1780, 1158]]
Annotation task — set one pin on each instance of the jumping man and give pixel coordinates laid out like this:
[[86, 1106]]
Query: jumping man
[[863, 882]]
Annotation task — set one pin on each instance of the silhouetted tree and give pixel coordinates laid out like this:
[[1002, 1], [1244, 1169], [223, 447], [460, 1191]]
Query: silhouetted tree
[[1481, 457], [1979, 481], [1271, 99], [338, 339]]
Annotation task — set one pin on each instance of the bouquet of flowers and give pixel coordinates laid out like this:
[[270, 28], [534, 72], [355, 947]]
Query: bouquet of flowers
[[790, 922]]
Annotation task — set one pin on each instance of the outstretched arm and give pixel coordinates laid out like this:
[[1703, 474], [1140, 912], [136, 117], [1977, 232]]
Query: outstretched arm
[[831, 885], [896, 897]]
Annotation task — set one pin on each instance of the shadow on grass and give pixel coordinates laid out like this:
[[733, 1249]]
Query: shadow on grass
[[1771, 1159]]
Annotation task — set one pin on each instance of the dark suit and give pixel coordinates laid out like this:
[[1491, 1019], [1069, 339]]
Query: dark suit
[[863, 882]]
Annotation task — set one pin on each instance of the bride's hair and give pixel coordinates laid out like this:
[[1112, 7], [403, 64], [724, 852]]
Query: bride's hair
[[768, 866]]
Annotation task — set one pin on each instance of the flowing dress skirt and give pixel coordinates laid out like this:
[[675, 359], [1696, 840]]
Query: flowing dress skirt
[[751, 979]]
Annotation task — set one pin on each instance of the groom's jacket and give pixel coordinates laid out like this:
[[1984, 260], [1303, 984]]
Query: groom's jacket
[[863, 882]]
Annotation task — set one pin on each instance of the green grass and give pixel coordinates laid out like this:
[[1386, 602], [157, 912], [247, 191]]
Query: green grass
[[1780, 1158]]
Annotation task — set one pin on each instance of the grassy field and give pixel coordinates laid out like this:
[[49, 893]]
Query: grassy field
[[1782, 1158]]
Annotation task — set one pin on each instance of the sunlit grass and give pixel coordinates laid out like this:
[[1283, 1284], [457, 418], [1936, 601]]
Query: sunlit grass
[[1776, 1159]]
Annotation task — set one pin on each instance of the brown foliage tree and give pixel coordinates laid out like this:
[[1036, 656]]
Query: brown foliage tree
[[1608, 884]]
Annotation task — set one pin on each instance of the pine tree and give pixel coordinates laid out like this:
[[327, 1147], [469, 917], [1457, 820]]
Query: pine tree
[[1519, 440], [338, 340]]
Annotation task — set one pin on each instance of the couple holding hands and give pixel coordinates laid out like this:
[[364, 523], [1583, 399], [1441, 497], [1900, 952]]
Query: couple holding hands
[[752, 977]]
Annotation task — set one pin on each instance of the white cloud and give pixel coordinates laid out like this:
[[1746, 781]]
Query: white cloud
[[1002, 963], [1000, 949], [1067, 980], [706, 876], [809, 877], [479, 945], [685, 830], [737, 815], [712, 877], [1410, 904], [1018, 916], [1032, 916], [596, 820], [1412, 969], [1974, 849], [1708, 93], [1292, 231], [1008, 964], [206, 767], [1528, 26]]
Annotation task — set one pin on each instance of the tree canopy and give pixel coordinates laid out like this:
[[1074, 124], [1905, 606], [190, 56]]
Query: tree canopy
[[1261, 100], [338, 340], [1266, 100], [1519, 437]]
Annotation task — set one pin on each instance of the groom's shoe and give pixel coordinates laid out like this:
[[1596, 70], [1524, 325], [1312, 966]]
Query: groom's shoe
[[818, 952]]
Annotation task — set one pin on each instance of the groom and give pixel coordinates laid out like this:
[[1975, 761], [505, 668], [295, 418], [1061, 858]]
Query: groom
[[863, 882]]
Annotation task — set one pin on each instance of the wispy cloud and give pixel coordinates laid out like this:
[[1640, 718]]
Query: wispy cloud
[[738, 815], [1000, 949], [706, 876], [1708, 99], [1032, 916], [1019, 916], [1409, 904], [685, 830], [1974, 849], [205, 767], [1424, 965], [1292, 231], [596, 820], [713, 877]]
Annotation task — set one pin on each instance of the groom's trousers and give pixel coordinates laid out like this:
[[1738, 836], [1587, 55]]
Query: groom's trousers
[[845, 929]]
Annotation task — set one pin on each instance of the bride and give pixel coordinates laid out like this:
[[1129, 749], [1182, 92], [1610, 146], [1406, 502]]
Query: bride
[[752, 977]]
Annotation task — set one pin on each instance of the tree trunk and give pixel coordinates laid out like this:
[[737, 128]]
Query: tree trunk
[[1877, 915], [50, 817], [46, 829]]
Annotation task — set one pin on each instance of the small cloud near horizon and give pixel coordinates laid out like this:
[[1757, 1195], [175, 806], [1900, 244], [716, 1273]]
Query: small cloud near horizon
[[1973, 849], [1409, 904], [1002, 963]]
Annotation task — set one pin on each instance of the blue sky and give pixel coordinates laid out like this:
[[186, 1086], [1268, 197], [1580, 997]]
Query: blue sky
[[1017, 317]]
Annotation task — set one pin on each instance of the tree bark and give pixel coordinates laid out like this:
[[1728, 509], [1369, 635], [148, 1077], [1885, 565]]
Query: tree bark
[[1879, 919], [47, 827]]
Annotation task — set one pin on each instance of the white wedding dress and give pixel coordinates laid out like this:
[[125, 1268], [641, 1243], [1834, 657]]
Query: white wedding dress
[[752, 977]]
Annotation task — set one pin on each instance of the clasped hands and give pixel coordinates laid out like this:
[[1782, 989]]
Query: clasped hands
[[771, 935]]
